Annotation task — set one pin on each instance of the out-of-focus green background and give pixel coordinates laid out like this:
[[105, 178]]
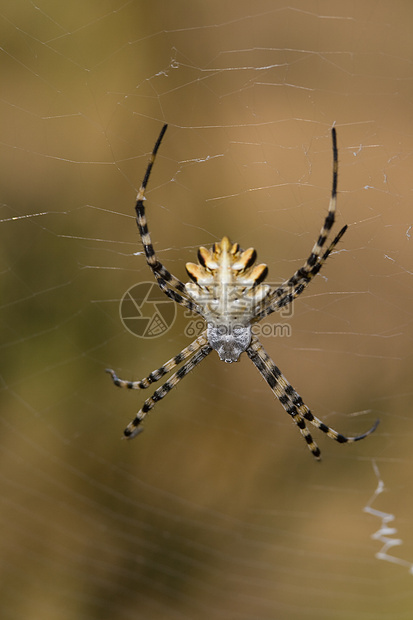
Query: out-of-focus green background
[[217, 510]]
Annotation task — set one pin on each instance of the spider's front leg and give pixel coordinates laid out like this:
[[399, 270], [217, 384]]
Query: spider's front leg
[[167, 282], [285, 294], [290, 289]]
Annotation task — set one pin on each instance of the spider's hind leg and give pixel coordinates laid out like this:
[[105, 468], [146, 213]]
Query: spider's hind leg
[[314, 449], [292, 402], [330, 432], [133, 427], [157, 374], [272, 376]]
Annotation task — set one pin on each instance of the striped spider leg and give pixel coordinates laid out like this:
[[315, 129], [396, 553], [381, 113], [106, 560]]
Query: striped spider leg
[[175, 290], [198, 349], [292, 402], [228, 292], [293, 287], [162, 275]]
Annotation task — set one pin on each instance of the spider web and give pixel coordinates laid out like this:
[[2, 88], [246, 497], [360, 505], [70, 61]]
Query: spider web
[[217, 510]]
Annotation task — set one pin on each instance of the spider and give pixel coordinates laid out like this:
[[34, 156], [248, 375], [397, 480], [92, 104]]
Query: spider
[[227, 292]]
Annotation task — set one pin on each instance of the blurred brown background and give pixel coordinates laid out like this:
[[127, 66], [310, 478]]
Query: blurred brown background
[[217, 510]]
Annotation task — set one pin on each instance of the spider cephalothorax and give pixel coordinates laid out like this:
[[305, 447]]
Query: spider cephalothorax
[[227, 291]]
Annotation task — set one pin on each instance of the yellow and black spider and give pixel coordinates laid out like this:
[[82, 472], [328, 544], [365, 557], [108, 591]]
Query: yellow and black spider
[[227, 292]]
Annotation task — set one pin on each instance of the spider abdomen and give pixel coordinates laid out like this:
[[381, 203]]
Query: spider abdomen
[[226, 286]]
